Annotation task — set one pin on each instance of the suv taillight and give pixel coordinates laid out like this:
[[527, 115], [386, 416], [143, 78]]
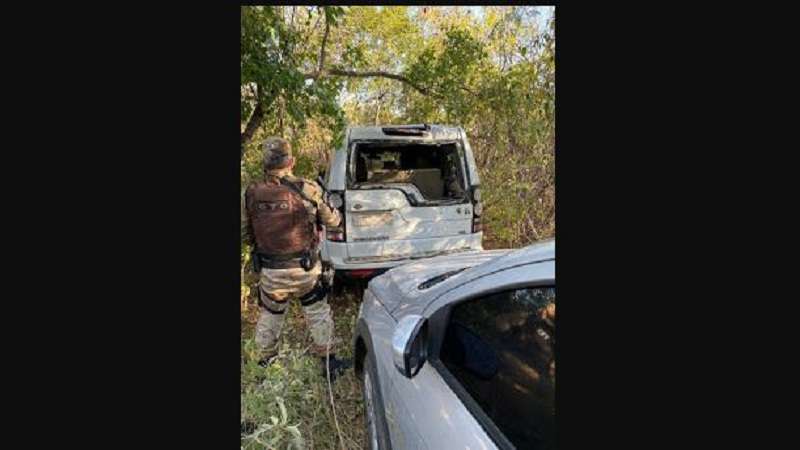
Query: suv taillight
[[477, 210], [337, 234], [477, 226]]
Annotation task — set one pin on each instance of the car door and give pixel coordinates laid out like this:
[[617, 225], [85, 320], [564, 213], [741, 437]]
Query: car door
[[386, 223], [441, 405], [498, 356]]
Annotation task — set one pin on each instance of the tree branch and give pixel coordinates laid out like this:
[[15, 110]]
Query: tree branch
[[322, 72], [464, 88], [371, 74]]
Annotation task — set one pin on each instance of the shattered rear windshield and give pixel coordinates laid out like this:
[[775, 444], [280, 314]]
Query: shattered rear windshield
[[435, 170]]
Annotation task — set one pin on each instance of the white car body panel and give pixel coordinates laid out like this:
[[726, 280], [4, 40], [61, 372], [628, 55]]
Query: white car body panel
[[386, 213], [454, 423], [382, 227], [388, 254], [423, 412]]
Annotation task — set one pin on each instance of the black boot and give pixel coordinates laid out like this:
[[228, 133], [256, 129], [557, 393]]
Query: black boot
[[264, 362], [267, 358], [337, 366]]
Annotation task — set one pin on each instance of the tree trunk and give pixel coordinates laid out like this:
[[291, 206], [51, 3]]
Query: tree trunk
[[252, 126]]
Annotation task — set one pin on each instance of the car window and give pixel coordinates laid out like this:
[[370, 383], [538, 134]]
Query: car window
[[501, 350]]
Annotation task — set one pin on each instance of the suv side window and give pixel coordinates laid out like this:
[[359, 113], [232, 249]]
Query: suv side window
[[501, 350]]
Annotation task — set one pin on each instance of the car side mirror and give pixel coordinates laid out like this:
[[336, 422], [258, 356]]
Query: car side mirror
[[409, 344]]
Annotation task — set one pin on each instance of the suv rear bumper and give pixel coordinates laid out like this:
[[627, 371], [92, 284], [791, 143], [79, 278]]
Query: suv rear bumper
[[336, 253]]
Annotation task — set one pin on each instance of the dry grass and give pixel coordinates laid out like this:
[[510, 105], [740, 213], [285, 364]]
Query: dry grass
[[306, 419]]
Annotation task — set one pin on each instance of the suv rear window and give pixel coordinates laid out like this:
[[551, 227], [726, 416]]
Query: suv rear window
[[435, 170]]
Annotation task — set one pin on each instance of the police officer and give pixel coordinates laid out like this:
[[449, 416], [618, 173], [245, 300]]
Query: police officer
[[282, 216]]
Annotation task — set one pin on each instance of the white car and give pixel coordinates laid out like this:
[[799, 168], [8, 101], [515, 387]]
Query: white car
[[458, 352], [405, 192]]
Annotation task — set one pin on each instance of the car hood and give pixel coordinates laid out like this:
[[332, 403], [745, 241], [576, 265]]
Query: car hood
[[401, 284]]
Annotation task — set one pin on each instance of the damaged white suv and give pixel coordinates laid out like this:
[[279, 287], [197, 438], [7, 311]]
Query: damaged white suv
[[405, 192]]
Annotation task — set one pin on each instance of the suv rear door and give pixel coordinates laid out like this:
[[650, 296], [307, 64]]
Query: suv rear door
[[389, 221]]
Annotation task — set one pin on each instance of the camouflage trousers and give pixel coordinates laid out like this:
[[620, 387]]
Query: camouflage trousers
[[277, 287]]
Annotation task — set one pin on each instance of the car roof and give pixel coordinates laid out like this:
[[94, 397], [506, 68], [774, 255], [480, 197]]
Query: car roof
[[437, 133], [406, 302], [541, 251], [532, 254]]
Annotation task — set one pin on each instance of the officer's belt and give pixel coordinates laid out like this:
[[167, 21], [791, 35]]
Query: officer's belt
[[290, 261]]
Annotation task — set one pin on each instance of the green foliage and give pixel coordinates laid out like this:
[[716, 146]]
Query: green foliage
[[496, 79], [494, 76], [288, 405], [446, 70], [275, 60]]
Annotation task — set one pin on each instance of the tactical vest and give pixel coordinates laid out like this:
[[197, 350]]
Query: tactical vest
[[280, 220]]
